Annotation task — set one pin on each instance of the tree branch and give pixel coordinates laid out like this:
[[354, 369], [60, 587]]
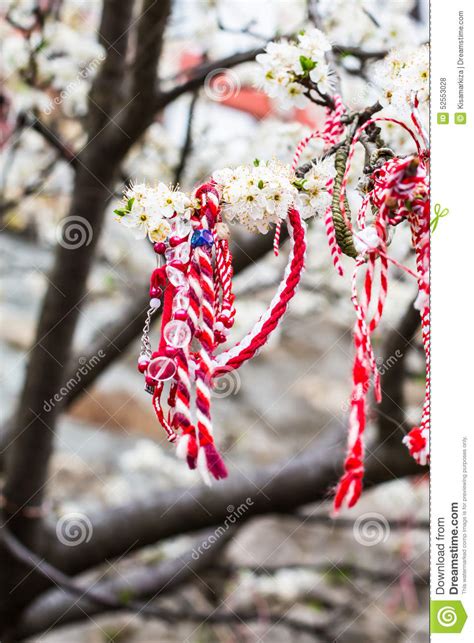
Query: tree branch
[[149, 43], [198, 75], [306, 478], [53, 138], [188, 140], [108, 89], [73, 600]]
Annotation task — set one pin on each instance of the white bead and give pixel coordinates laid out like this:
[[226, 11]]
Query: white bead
[[177, 333], [181, 228], [155, 302], [180, 301], [177, 277], [219, 326]]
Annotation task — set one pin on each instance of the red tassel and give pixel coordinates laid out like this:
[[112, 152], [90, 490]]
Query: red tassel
[[215, 463]]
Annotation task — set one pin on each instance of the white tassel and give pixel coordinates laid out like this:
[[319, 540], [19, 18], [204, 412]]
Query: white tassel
[[182, 447], [202, 467]]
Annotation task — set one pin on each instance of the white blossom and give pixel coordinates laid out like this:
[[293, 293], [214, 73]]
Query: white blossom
[[284, 66], [258, 195], [314, 195], [401, 75], [148, 210]]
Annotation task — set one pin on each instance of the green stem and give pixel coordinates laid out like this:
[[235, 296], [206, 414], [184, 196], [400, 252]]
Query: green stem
[[343, 234]]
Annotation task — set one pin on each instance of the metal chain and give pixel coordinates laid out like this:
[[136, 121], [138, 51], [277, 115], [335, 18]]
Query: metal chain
[[146, 349]]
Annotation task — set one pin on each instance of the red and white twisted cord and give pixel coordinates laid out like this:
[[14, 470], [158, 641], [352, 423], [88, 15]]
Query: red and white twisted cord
[[331, 133], [234, 357], [393, 183]]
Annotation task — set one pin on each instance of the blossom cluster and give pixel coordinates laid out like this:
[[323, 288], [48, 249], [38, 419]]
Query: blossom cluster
[[370, 24], [150, 210], [257, 195], [286, 67], [315, 194], [403, 73]]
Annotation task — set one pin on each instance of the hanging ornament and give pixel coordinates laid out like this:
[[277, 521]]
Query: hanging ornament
[[399, 193], [193, 287], [193, 283]]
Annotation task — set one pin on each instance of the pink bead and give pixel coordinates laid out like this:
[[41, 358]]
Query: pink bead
[[161, 369], [175, 241], [160, 248], [156, 291], [227, 321], [180, 314]]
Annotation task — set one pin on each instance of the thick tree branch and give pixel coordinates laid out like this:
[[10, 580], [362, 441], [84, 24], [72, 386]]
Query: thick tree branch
[[108, 89], [188, 140], [149, 43], [33, 443], [308, 477], [72, 599]]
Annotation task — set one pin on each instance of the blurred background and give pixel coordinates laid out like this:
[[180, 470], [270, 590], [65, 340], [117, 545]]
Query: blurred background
[[82, 113]]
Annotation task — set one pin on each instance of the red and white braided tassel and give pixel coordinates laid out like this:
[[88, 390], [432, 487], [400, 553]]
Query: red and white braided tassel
[[404, 182], [198, 313], [208, 459]]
